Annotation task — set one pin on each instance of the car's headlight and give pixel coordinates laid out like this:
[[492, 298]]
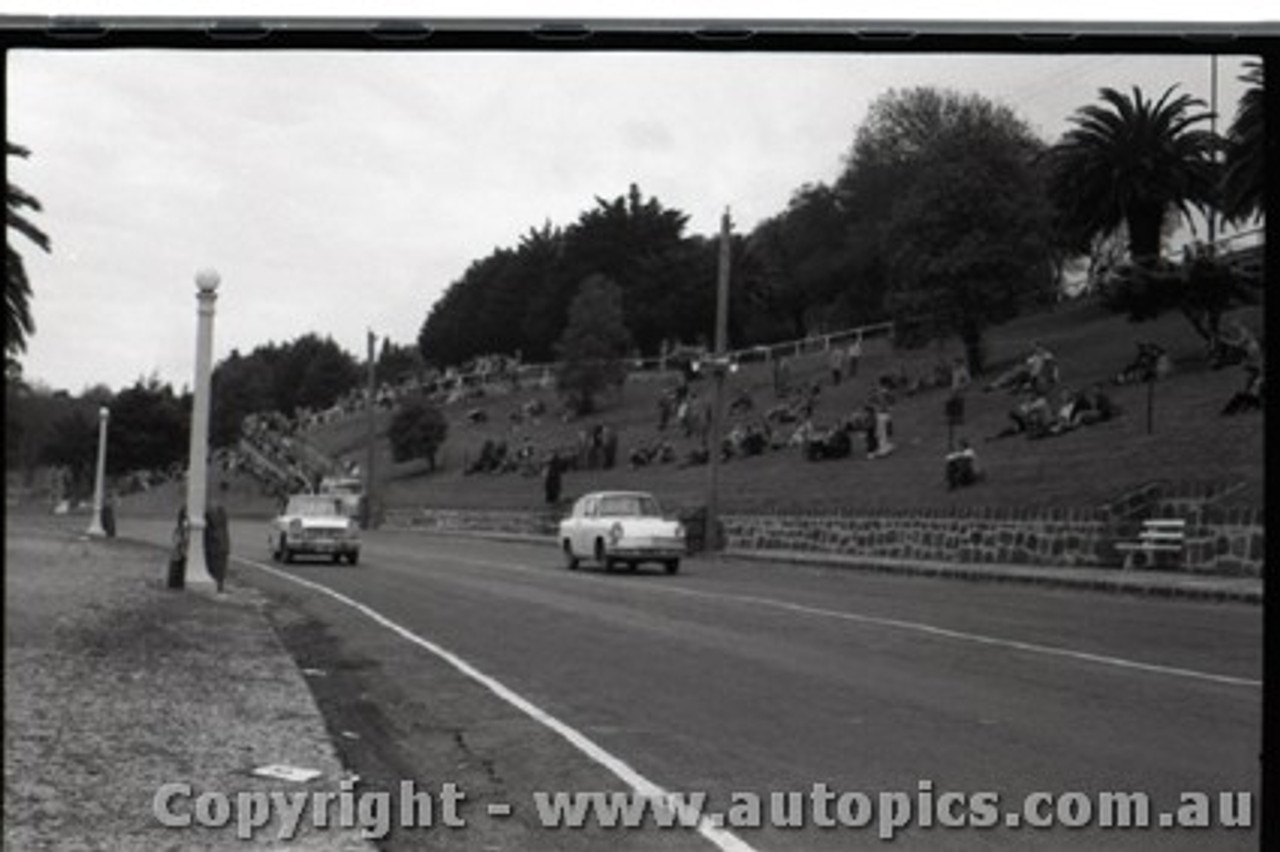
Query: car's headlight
[[615, 533]]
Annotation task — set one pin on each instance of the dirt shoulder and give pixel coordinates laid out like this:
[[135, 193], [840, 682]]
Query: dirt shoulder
[[115, 686]]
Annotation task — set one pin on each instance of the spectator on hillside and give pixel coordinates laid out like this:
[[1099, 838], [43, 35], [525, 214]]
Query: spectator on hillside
[[683, 415], [1029, 417], [836, 363], [781, 377], [551, 480], [833, 443], [665, 406], [1248, 398], [962, 467], [802, 434], [869, 431], [610, 446], [854, 355], [960, 376], [695, 457], [1042, 368], [742, 402], [883, 433], [1234, 345], [1094, 406], [1151, 363], [811, 398]]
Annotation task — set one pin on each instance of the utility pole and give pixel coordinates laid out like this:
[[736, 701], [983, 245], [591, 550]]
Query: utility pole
[[197, 568], [719, 366], [371, 435], [96, 528]]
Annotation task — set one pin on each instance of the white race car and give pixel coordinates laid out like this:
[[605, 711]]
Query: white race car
[[317, 525], [621, 528]]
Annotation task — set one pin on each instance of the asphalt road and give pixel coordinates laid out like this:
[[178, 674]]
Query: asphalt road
[[734, 676]]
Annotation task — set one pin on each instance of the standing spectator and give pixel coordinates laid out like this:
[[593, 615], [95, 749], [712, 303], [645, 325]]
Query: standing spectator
[[959, 381], [836, 361], [551, 481], [869, 431], [1042, 368], [781, 377], [610, 447], [853, 356], [664, 411], [884, 432], [960, 375], [217, 543]]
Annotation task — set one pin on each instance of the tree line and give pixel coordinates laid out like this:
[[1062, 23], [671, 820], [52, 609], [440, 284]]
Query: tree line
[[949, 215]]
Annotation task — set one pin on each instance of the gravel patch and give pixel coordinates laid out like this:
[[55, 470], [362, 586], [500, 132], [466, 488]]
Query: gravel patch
[[115, 686]]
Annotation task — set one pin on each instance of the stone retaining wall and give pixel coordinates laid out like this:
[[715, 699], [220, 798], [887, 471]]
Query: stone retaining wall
[[1219, 541]]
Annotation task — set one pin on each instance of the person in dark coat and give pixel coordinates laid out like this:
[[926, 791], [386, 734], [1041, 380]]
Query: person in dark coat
[[551, 484], [217, 544]]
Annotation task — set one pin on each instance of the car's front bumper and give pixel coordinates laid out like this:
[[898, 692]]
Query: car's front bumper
[[323, 546], [650, 551]]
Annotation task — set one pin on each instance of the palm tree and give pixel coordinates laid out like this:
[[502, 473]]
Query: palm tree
[[1243, 181], [1133, 162], [17, 290]]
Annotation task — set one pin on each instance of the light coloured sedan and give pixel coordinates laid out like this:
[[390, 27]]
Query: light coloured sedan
[[621, 528], [314, 525]]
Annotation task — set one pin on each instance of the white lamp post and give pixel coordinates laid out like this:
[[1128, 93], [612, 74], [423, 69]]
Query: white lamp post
[[197, 570], [95, 525]]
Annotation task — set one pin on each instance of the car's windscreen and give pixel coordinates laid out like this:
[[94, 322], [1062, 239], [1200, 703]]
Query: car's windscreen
[[629, 505], [313, 506]]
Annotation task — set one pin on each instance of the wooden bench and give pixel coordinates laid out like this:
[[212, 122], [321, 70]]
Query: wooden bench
[[1159, 535]]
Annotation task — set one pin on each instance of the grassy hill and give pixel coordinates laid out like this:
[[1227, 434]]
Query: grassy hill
[[1190, 441]]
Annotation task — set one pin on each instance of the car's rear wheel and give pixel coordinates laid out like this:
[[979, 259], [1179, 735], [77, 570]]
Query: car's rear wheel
[[354, 557], [633, 566], [337, 559], [570, 561], [672, 565]]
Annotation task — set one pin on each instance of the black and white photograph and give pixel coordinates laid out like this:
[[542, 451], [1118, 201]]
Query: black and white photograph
[[772, 441]]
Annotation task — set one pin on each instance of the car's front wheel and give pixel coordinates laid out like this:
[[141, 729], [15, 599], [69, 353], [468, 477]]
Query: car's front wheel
[[286, 555], [672, 565], [354, 557]]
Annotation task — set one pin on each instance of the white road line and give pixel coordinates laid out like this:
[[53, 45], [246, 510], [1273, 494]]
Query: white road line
[[915, 626], [721, 838]]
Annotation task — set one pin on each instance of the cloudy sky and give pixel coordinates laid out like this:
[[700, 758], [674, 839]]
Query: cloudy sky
[[343, 191]]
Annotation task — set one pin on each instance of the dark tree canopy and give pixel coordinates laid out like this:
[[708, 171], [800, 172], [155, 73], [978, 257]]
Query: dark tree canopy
[[149, 428], [1244, 183], [593, 345], [73, 444], [19, 323], [1135, 162], [418, 430], [516, 299], [947, 214]]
